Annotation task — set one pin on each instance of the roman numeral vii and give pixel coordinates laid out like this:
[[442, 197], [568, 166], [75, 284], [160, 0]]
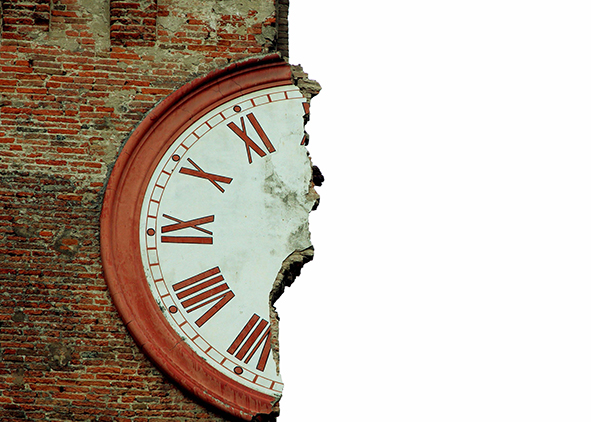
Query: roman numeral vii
[[256, 333], [207, 288], [248, 142]]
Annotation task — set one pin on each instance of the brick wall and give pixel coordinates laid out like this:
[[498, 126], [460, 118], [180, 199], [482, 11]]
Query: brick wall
[[76, 76], [282, 27]]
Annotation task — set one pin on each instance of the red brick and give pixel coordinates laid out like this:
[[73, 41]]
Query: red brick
[[64, 114]]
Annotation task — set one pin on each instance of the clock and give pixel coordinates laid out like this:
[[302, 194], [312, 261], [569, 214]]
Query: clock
[[208, 198]]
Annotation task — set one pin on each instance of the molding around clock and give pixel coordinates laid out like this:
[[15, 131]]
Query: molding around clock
[[120, 250]]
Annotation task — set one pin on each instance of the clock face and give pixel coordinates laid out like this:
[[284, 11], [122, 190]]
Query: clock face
[[225, 205], [208, 197]]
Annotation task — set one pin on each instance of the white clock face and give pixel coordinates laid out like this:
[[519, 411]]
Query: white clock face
[[226, 204]]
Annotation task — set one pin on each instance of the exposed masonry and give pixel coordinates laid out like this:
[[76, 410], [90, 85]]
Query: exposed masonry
[[25, 17], [282, 9], [141, 23], [76, 76], [292, 265], [134, 24]]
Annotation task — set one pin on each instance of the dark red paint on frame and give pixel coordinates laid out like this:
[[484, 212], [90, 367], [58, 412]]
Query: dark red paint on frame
[[120, 215]]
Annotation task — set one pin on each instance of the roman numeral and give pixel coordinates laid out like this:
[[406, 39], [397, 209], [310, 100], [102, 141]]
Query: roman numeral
[[249, 340], [193, 224], [198, 172], [248, 142], [204, 289]]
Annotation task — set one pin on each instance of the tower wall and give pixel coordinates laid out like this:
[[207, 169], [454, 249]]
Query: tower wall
[[76, 76]]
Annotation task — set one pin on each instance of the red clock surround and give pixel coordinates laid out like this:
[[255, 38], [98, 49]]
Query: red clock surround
[[120, 249]]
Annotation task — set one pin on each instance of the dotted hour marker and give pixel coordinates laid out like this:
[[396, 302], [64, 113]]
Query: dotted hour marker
[[173, 309], [238, 370], [151, 232], [237, 108], [176, 157]]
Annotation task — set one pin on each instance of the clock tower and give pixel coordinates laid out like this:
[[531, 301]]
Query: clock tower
[[208, 198], [155, 185]]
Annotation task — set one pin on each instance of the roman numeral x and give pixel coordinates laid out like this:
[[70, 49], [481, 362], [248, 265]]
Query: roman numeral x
[[198, 172]]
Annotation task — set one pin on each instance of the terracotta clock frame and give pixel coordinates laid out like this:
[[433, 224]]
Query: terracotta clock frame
[[120, 249]]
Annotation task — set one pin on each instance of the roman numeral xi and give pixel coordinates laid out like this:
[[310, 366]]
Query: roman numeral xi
[[206, 288], [248, 142]]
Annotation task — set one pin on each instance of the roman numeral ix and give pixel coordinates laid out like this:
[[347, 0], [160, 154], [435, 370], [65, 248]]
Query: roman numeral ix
[[248, 142], [194, 224], [207, 288], [249, 340]]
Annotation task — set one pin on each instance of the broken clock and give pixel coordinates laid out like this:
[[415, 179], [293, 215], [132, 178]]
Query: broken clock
[[209, 196]]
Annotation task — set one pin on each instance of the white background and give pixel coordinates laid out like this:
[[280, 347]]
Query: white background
[[452, 276]]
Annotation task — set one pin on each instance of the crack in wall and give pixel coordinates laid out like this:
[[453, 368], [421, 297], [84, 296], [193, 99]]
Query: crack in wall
[[292, 265]]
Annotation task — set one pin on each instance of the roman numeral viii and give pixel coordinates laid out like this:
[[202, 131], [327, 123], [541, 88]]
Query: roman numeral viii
[[207, 288], [249, 340], [193, 224], [248, 142]]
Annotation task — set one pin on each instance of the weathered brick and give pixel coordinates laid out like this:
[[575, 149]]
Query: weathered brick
[[73, 88]]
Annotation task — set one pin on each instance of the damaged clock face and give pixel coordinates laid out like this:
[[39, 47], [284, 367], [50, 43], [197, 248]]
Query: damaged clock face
[[227, 203]]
